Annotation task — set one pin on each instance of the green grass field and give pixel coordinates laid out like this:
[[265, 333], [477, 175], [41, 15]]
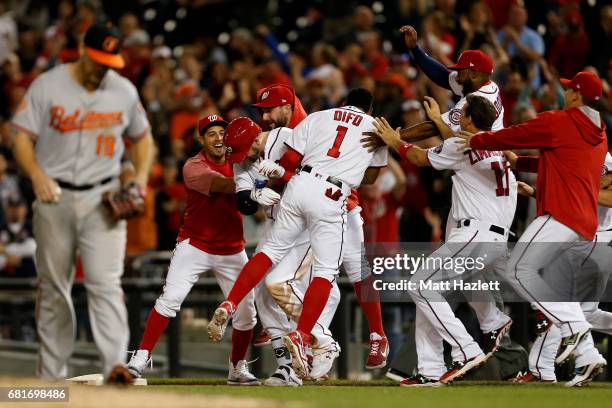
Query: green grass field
[[469, 394]]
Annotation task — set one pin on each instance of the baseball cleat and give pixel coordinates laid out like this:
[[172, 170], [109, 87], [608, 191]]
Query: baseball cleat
[[585, 374], [138, 362], [418, 381], [460, 368], [262, 339], [543, 323], [492, 339], [396, 375], [569, 344], [323, 360], [218, 324], [239, 374], [379, 350], [284, 376], [296, 345], [525, 377]]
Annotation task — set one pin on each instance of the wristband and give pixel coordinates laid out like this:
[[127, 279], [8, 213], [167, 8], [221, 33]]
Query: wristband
[[403, 149]]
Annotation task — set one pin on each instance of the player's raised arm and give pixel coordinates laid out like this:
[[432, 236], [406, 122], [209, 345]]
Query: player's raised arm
[[434, 70]]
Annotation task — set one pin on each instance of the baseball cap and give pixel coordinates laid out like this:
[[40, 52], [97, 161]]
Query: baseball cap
[[102, 44], [275, 95], [475, 60], [239, 136], [208, 121], [585, 83]]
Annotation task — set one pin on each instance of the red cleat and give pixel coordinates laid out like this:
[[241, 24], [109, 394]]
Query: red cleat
[[379, 350], [525, 377], [297, 343], [460, 368], [218, 324]]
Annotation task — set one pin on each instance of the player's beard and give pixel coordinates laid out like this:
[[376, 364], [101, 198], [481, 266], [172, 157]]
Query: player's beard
[[282, 121]]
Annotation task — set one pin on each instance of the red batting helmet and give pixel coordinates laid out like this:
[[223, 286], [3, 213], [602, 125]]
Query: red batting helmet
[[239, 136]]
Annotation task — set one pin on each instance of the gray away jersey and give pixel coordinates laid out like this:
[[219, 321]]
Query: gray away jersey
[[78, 134]]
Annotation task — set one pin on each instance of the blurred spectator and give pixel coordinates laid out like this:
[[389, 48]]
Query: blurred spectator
[[438, 38], [8, 32], [375, 62], [516, 91], [520, 40], [169, 205], [9, 183], [569, 51], [17, 244], [137, 52], [601, 50], [323, 68]]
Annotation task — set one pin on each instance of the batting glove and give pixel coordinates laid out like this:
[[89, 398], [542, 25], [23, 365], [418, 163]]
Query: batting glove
[[271, 169], [265, 196]]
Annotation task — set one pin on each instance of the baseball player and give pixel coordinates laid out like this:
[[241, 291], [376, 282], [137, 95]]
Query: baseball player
[[470, 75], [484, 201], [276, 112], [573, 146], [588, 265], [210, 239], [277, 288], [332, 162], [68, 139]]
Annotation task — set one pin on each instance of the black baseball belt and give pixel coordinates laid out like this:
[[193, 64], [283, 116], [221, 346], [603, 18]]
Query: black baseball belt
[[492, 228], [82, 187], [336, 182]]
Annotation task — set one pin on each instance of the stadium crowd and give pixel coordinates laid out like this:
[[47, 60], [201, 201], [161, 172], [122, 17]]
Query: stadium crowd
[[189, 58]]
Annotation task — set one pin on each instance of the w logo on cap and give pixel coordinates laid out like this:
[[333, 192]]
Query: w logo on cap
[[265, 95], [212, 118]]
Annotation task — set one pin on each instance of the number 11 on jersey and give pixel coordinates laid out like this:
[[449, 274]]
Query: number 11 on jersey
[[501, 174]]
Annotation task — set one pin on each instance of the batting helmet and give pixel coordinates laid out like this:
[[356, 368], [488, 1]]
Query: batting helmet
[[239, 136]]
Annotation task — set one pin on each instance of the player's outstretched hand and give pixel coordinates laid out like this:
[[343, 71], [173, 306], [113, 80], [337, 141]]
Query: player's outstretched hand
[[390, 136], [465, 138], [525, 189], [431, 108], [271, 169], [265, 196], [371, 141], [45, 188], [410, 36]]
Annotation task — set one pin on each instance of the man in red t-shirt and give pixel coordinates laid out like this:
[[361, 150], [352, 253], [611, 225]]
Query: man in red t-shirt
[[211, 238], [573, 146]]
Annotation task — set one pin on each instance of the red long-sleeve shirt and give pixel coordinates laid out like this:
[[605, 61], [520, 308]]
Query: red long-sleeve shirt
[[572, 152]]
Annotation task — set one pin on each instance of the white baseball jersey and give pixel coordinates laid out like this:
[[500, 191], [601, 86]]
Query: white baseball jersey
[[489, 91], [329, 140], [484, 188], [605, 213], [78, 133], [274, 149]]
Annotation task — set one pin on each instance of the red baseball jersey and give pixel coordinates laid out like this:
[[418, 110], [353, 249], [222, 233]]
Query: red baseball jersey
[[572, 147], [211, 221]]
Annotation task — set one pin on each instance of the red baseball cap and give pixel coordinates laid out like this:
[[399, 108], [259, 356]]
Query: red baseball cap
[[585, 83], [239, 136], [475, 60], [208, 121], [275, 95]]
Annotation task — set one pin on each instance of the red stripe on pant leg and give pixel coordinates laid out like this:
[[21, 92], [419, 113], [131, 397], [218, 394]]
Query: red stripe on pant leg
[[156, 325], [250, 275], [315, 300], [369, 302], [241, 339]]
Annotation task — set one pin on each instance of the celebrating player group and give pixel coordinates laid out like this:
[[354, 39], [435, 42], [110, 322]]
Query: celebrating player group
[[303, 171]]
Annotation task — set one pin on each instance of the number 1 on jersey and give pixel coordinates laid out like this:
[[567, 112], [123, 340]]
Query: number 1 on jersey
[[501, 173], [335, 149]]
